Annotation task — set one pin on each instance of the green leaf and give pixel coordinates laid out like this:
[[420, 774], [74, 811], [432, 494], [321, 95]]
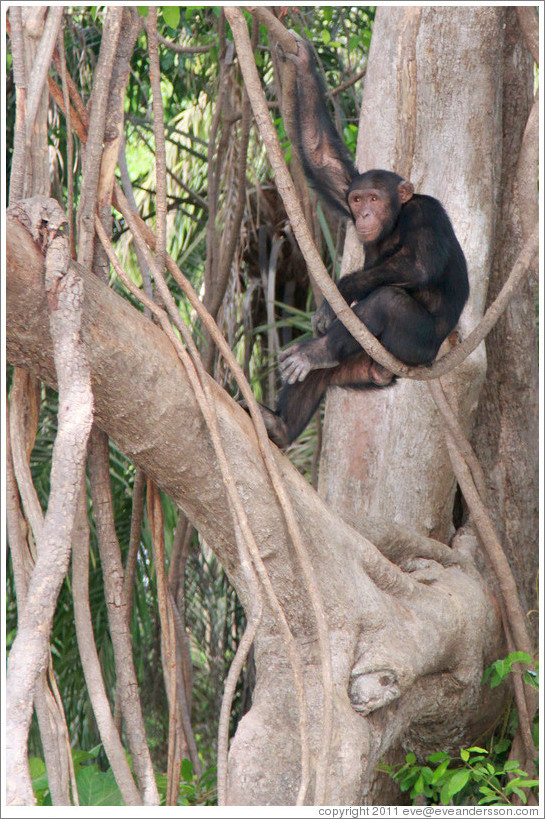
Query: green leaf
[[476, 749], [464, 755], [418, 786], [97, 788], [408, 780], [445, 796], [37, 767], [458, 781], [354, 41], [171, 16], [439, 771], [40, 781], [326, 36], [79, 756], [531, 678], [410, 758], [520, 782], [512, 766], [142, 11], [518, 657], [187, 770], [489, 800], [426, 773], [440, 756]]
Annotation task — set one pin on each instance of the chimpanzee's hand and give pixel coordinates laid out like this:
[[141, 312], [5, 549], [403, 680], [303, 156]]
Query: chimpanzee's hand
[[322, 318], [294, 363], [298, 360]]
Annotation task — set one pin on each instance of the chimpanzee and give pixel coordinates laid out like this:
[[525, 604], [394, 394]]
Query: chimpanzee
[[410, 291]]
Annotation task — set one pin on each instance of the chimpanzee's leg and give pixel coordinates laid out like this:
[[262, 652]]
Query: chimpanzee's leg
[[401, 324], [299, 401]]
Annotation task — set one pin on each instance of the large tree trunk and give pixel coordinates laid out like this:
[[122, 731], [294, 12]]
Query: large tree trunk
[[450, 84], [507, 422]]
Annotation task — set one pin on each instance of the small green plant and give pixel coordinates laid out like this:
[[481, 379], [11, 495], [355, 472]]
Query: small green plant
[[194, 790], [498, 671], [471, 778], [477, 776]]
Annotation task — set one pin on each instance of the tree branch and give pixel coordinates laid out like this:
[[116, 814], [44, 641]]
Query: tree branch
[[18, 162], [95, 140], [30, 651], [116, 604], [90, 661]]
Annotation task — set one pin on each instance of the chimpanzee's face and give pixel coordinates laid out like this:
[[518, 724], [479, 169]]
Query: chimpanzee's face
[[375, 199], [373, 212]]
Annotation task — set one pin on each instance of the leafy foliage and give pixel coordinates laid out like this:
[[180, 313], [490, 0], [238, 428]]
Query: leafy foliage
[[477, 776], [501, 669], [474, 777], [97, 787], [194, 790]]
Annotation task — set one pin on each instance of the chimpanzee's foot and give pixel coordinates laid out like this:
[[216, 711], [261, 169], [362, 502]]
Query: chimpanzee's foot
[[380, 375], [275, 426]]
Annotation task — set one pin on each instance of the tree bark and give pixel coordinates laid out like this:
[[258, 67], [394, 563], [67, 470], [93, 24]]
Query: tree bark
[[394, 629], [507, 422]]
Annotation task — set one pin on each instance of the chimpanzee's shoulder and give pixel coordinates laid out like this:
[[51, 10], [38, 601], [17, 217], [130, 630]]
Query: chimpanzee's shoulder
[[422, 209]]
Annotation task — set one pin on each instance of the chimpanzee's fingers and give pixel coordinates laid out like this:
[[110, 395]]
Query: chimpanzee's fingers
[[295, 369], [290, 370], [284, 355]]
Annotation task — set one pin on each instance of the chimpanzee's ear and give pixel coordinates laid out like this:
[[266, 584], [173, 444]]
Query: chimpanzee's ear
[[405, 190]]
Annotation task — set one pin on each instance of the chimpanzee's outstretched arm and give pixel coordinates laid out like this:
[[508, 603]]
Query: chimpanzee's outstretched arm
[[326, 160]]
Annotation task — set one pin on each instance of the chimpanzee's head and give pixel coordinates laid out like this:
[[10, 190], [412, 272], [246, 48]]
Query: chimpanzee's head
[[375, 199]]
